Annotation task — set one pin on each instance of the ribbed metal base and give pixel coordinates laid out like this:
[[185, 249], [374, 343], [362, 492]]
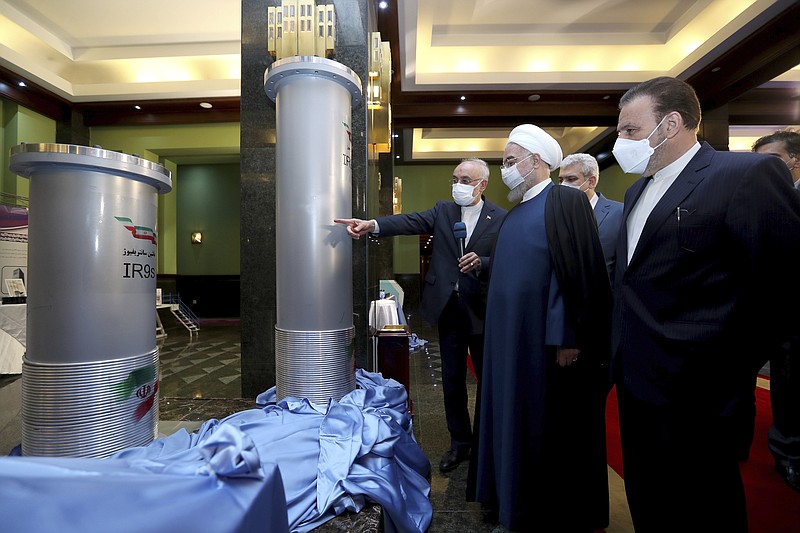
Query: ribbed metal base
[[89, 409], [317, 365]]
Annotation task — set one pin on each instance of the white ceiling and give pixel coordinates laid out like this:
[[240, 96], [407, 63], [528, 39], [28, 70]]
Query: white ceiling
[[106, 50], [463, 45], [112, 50], [521, 44]]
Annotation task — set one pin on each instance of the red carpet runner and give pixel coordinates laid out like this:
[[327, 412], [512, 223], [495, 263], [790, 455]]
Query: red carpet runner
[[772, 506]]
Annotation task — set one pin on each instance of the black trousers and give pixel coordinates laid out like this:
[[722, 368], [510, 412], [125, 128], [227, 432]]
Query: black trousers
[[681, 468], [456, 342], [784, 434]]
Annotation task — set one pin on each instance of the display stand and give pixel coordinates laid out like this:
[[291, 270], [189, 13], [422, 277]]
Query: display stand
[[391, 355]]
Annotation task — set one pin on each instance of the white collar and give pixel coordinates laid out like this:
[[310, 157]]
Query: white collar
[[535, 190], [471, 208], [677, 166]]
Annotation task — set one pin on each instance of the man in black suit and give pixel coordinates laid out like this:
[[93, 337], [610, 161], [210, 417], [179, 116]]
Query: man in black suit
[[784, 392], [698, 298], [581, 171], [453, 298]]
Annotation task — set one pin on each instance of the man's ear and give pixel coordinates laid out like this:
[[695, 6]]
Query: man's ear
[[674, 122]]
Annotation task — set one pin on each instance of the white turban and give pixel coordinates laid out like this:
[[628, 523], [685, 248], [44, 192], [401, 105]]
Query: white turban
[[537, 141]]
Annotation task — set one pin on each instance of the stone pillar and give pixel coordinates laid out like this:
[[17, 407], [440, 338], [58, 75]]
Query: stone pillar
[[714, 128], [71, 129], [257, 146], [383, 257]]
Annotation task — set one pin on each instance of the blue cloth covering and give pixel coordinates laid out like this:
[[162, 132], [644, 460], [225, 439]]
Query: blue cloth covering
[[288, 466], [217, 485], [415, 342]]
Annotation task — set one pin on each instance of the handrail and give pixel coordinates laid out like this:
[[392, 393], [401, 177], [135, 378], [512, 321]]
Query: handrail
[[175, 299]]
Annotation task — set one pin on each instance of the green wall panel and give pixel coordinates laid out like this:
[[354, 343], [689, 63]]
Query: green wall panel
[[167, 145], [22, 125], [423, 185], [208, 201]]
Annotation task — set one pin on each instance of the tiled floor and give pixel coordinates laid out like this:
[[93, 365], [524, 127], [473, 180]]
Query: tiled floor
[[200, 380]]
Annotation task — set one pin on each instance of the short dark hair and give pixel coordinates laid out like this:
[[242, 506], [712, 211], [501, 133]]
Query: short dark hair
[[668, 94], [789, 138]]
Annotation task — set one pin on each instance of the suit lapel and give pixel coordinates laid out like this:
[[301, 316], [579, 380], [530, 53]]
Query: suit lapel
[[453, 216], [484, 220], [601, 210], [667, 206], [635, 191]]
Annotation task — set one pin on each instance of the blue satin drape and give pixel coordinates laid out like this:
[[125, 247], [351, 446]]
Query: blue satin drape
[[288, 466]]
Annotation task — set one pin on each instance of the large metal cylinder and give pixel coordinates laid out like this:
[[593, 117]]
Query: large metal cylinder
[[90, 372], [314, 331]]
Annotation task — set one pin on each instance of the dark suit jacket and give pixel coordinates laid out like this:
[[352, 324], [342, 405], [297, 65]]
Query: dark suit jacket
[[443, 271], [704, 291], [608, 214]]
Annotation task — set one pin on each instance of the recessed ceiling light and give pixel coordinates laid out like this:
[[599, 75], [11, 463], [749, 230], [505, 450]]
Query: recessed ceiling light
[[715, 69], [463, 98], [606, 97], [137, 107], [534, 98], [383, 5], [206, 105], [22, 84]]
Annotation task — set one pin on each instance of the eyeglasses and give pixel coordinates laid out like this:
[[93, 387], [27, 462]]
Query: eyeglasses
[[464, 181], [511, 160]]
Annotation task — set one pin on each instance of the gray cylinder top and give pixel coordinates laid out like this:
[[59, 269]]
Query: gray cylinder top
[[27, 158], [311, 66]]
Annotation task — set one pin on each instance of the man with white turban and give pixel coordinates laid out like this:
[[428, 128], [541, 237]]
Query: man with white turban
[[540, 462]]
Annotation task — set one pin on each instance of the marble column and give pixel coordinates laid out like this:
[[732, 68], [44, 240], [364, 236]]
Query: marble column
[[715, 128], [71, 129]]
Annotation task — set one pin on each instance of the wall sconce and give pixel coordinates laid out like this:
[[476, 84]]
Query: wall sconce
[[197, 237]]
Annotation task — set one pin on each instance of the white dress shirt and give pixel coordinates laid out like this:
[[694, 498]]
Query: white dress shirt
[[653, 192]]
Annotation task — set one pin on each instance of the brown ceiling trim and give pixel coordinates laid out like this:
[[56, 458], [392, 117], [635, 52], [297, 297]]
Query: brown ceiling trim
[[32, 96], [572, 111], [760, 107], [160, 112], [770, 50]]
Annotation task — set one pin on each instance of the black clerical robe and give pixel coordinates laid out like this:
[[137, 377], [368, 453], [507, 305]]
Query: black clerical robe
[[541, 458]]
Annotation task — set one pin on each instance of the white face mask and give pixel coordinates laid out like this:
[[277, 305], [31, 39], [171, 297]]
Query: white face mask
[[634, 156], [511, 176], [575, 185], [464, 194]]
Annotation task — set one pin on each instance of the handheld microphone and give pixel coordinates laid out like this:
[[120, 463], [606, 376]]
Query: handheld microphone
[[460, 233]]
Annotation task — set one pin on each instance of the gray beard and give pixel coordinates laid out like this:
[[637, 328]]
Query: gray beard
[[515, 195]]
